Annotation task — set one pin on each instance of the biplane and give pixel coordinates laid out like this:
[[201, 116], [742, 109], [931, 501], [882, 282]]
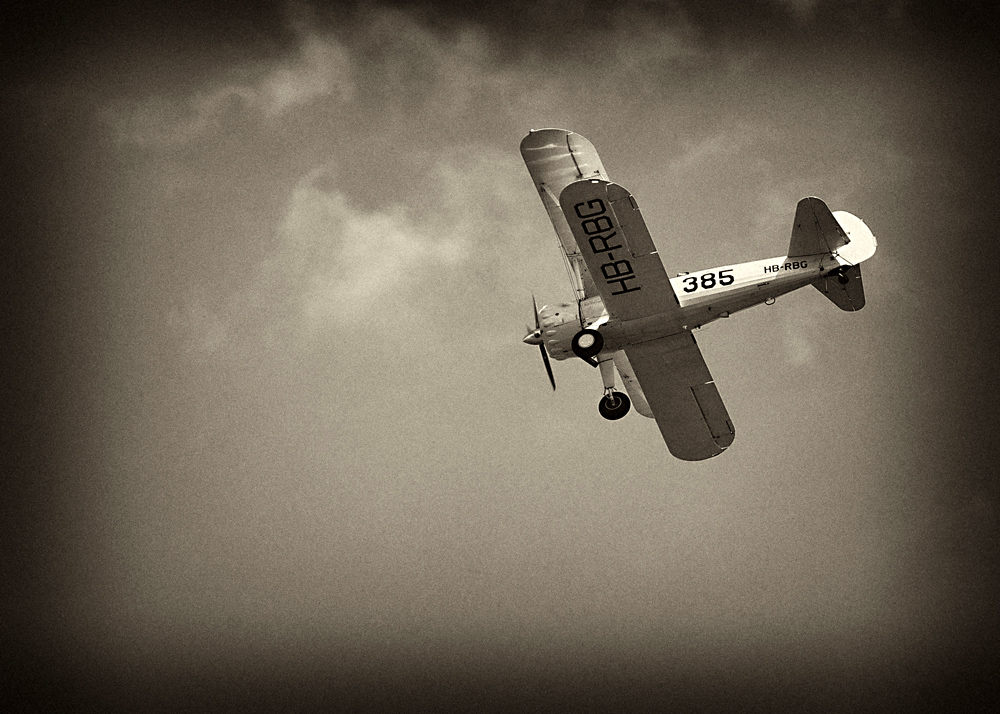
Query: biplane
[[630, 317]]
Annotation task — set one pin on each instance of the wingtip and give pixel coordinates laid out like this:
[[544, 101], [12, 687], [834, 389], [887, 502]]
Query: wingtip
[[541, 138]]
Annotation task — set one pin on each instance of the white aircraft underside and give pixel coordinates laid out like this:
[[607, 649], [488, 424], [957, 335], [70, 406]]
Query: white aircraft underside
[[630, 317]]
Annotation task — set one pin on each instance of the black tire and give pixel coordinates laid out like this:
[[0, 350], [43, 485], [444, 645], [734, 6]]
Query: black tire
[[593, 349], [614, 406]]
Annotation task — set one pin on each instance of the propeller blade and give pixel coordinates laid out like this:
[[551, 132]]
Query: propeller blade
[[535, 338], [548, 367]]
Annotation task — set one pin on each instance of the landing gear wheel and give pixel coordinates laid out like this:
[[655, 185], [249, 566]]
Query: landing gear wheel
[[587, 343], [614, 406]]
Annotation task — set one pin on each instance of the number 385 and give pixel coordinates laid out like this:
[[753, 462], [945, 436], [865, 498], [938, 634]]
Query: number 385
[[707, 281]]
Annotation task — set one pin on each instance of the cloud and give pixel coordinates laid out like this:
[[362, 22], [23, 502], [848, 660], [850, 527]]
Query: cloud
[[460, 249], [320, 68], [392, 62], [343, 261]]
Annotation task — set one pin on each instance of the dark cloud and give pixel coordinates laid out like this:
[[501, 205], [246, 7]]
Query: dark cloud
[[44, 37], [48, 39]]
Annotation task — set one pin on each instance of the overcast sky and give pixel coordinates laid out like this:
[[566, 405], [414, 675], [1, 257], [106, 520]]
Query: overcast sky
[[273, 426]]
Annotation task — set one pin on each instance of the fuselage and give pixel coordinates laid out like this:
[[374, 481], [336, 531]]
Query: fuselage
[[703, 296]]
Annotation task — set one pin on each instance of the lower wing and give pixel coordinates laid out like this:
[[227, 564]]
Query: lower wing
[[682, 396]]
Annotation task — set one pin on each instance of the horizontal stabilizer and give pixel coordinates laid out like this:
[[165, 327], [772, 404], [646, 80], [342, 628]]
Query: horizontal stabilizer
[[844, 290], [815, 230]]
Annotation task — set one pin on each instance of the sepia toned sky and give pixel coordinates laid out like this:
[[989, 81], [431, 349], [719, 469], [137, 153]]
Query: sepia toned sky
[[272, 434]]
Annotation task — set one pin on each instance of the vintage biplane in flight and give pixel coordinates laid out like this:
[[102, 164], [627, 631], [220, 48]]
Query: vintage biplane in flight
[[628, 315]]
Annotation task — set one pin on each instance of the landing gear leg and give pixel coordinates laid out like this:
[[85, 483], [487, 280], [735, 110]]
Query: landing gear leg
[[607, 374], [614, 405]]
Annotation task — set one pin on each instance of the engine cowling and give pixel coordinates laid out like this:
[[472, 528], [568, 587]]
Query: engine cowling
[[559, 323]]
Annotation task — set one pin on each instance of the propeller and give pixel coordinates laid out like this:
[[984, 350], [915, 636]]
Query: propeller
[[534, 337]]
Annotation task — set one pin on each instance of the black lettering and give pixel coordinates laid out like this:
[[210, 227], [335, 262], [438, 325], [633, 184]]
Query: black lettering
[[593, 226], [708, 280], [690, 287], [625, 288], [618, 271], [604, 242], [725, 279], [788, 266], [590, 204]]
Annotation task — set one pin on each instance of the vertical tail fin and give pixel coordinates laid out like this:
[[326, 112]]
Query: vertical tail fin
[[815, 230]]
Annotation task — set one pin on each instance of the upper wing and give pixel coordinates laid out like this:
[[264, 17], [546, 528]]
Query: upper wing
[[556, 158], [682, 396], [612, 238]]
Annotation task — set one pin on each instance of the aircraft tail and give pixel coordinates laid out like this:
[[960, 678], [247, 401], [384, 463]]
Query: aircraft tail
[[844, 236], [843, 288], [815, 230]]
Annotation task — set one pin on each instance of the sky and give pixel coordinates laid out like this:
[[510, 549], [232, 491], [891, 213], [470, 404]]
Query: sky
[[273, 440]]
